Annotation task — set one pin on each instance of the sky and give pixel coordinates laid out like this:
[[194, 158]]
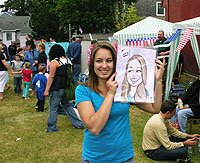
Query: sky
[[2, 2]]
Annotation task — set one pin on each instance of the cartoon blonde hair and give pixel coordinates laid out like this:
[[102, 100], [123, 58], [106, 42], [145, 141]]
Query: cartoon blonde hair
[[141, 90]]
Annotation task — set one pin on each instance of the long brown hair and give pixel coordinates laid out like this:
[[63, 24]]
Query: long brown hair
[[93, 79]]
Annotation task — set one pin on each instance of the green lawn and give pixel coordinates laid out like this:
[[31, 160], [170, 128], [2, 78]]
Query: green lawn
[[23, 138]]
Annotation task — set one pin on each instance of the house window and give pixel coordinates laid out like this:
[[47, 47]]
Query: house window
[[160, 11], [8, 36]]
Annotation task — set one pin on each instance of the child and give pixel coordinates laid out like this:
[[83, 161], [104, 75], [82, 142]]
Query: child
[[27, 74], [39, 82], [17, 67]]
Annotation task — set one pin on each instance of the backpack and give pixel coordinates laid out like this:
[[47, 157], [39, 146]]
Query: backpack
[[69, 74], [70, 88]]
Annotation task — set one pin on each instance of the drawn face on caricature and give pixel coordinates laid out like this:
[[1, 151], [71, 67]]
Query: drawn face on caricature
[[134, 73]]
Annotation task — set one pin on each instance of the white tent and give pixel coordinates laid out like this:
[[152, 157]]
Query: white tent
[[174, 55], [193, 23], [146, 28]]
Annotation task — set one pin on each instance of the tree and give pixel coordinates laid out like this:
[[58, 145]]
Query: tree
[[125, 17], [20, 7], [51, 18], [45, 23], [92, 16]]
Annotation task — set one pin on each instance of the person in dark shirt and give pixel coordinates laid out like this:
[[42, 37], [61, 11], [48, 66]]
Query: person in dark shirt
[[162, 51], [5, 50], [12, 49], [7, 58], [3, 71], [74, 54], [56, 89], [42, 55]]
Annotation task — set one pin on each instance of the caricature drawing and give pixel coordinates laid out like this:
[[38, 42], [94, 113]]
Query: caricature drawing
[[134, 83]]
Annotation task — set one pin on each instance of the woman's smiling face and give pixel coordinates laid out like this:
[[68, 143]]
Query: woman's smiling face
[[134, 73], [103, 64]]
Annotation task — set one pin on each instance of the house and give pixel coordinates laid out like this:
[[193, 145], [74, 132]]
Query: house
[[14, 28], [180, 10], [150, 8]]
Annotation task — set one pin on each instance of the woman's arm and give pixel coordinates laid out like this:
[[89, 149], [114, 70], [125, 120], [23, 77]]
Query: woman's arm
[[155, 107], [6, 65], [96, 121], [52, 70]]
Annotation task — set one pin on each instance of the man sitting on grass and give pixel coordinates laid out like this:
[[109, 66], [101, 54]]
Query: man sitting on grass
[[161, 141]]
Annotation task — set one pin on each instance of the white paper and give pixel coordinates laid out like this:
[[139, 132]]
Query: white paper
[[135, 74]]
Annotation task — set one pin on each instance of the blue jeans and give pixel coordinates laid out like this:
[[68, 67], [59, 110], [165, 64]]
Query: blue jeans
[[26, 88], [18, 84], [175, 118], [76, 73], [182, 116], [56, 99], [164, 154], [127, 161]]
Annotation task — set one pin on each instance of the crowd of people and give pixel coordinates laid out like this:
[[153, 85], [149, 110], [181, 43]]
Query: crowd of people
[[107, 135], [28, 65]]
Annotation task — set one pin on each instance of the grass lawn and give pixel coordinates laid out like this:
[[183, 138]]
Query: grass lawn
[[23, 138]]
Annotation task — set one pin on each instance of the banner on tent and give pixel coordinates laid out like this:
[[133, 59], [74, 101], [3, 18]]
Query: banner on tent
[[135, 74], [174, 36], [185, 38], [141, 42]]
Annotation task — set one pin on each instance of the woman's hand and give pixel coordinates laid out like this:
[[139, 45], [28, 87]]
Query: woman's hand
[[112, 85], [160, 68]]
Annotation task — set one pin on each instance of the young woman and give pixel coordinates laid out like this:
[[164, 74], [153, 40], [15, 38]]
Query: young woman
[[107, 137], [133, 86], [42, 55], [56, 89], [3, 72]]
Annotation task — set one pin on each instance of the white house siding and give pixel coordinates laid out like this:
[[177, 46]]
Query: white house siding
[[15, 24], [85, 46], [22, 41], [8, 42]]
